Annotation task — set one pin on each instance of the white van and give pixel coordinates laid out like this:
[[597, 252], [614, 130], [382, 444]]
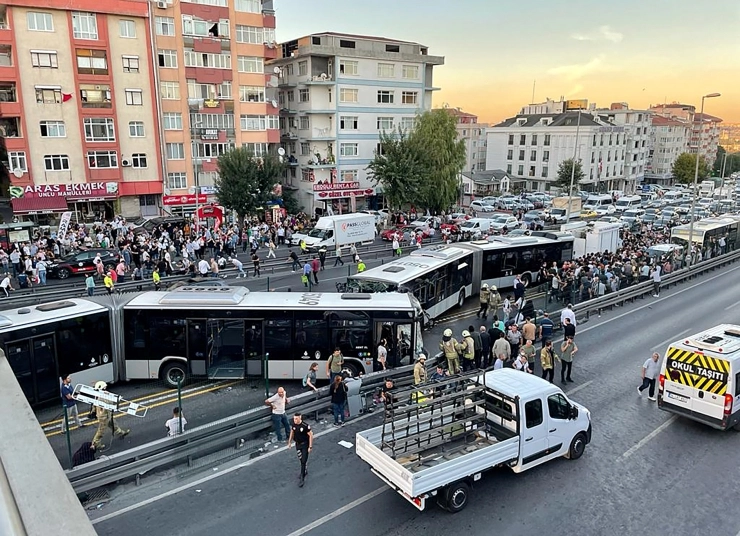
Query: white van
[[627, 202], [476, 226], [700, 377], [595, 201], [673, 196]]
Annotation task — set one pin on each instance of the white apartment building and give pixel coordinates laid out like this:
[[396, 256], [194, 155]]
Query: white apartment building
[[612, 144], [669, 139], [704, 132], [337, 92], [474, 135]]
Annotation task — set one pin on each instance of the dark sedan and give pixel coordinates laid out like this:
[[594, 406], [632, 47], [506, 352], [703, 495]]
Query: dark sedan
[[82, 262]]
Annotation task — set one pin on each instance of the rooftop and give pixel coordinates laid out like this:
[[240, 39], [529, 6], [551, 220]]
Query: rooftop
[[662, 121], [567, 119]]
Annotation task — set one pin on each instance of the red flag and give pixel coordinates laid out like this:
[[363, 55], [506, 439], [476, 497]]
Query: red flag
[[66, 97]]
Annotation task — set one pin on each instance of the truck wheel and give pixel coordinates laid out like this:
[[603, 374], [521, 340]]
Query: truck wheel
[[172, 373], [461, 298], [457, 496], [577, 446]]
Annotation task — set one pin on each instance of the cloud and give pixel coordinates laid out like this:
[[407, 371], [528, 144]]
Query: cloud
[[577, 71], [605, 33]]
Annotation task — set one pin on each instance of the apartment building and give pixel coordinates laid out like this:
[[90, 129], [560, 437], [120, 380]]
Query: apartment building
[[670, 137], [612, 145], [729, 137], [705, 129], [337, 93], [474, 134], [215, 91], [77, 108]]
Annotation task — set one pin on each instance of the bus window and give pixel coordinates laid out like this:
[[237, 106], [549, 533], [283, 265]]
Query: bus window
[[404, 345], [510, 263], [491, 268], [315, 335], [279, 338]]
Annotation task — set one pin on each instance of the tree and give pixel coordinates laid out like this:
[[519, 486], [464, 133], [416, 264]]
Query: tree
[[246, 182], [565, 170], [732, 163], [717, 168], [684, 168], [421, 167]]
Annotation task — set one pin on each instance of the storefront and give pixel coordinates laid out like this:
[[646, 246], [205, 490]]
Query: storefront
[[43, 204], [185, 205], [340, 197]]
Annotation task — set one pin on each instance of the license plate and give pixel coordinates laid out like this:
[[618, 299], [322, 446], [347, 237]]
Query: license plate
[[679, 398]]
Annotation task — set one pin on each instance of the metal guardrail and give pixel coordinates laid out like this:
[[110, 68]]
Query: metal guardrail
[[219, 434]]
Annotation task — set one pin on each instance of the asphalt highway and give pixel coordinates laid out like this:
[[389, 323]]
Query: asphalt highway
[[645, 471]]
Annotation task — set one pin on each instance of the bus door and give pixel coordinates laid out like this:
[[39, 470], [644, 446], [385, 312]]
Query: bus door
[[34, 363], [254, 347], [400, 339], [197, 347], [225, 349]]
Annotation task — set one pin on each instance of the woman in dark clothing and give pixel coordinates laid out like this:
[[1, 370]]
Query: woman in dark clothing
[[338, 392]]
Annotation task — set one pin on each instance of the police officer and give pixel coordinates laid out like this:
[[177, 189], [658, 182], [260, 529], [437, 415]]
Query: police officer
[[303, 435]]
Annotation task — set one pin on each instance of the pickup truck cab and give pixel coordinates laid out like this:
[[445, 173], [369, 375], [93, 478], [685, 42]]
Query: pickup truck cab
[[439, 438]]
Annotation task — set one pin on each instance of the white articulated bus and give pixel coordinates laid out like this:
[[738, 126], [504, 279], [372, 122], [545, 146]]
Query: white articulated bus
[[442, 277]]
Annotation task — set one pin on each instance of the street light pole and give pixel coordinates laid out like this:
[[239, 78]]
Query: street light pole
[[194, 152], [573, 169], [696, 174]]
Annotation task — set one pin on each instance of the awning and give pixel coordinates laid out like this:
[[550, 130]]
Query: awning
[[140, 188], [38, 205]]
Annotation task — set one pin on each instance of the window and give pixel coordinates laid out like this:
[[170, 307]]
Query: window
[[164, 25], [84, 25], [130, 64], [511, 139], [392, 48], [291, 96], [533, 413], [212, 150], [172, 120], [349, 175], [204, 28], [253, 35], [177, 181], [138, 160], [168, 58], [545, 156], [385, 97], [523, 139], [348, 149], [127, 28], [95, 96], [248, 6], [348, 122], [520, 170], [134, 97], [534, 139], [410, 72], [407, 123], [40, 22], [249, 64], [304, 123], [91, 61], [136, 129], [544, 172], [44, 59], [258, 149], [385, 123], [533, 156], [508, 169], [251, 94], [558, 407], [510, 154], [305, 148], [348, 95], [302, 68], [175, 151], [52, 129], [521, 154], [102, 159], [348, 67], [409, 97], [303, 95], [17, 160], [56, 162], [48, 94], [99, 129], [344, 43], [253, 122], [386, 70], [170, 90]]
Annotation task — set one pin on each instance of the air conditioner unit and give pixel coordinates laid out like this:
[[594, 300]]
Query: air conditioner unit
[[162, 5], [126, 162]]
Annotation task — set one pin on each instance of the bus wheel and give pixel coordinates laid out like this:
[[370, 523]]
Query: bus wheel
[[350, 370], [526, 279], [173, 373], [461, 298]]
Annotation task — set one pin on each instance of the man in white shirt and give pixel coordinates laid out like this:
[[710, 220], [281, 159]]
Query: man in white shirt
[[568, 313], [203, 267], [277, 402], [650, 371], [176, 425], [655, 276], [6, 286]]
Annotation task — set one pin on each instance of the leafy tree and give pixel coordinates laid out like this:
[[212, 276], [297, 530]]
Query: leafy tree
[[717, 168], [565, 169], [421, 167], [684, 167], [246, 182], [732, 164], [290, 203]]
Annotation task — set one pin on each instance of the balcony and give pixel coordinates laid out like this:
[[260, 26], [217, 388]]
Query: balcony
[[321, 79], [10, 127], [289, 135], [6, 56], [287, 111], [9, 105]]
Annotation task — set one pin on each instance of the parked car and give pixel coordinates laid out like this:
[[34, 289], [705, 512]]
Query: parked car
[[381, 216], [605, 210], [534, 220], [147, 225], [508, 203], [480, 206], [387, 234], [81, 262], [525, 204], [499, 222]]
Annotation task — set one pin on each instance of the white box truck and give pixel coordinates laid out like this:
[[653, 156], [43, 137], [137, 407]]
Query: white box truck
[[439, 438], [558, 212], [343, 229]]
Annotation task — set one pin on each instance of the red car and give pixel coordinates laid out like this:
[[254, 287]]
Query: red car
[[400, 229]]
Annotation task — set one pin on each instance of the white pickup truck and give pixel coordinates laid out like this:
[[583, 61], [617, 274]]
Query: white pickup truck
[[459, 428]]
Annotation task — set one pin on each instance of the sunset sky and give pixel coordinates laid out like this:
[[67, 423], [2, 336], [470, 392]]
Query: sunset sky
[[640, 52]]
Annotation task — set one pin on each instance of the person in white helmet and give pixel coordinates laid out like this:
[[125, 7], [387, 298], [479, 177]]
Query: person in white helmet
[[467, 349], [420, 371], [105, 420], [449, 346], [485, 301]]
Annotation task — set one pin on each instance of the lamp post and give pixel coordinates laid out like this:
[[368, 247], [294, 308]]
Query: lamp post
[[696, 175], [573, 169], [194, 151]]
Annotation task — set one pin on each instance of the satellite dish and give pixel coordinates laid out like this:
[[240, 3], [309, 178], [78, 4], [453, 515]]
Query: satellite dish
[[191, 190], [281, 151], [167, 191], [18, 173], [274, 103], [276, 70]]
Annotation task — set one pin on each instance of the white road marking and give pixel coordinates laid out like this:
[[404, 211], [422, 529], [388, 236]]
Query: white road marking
[[670, 339], [656, 300], [338, 512], [732, 306], [208, 478], [648, 437], [582, 386]]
